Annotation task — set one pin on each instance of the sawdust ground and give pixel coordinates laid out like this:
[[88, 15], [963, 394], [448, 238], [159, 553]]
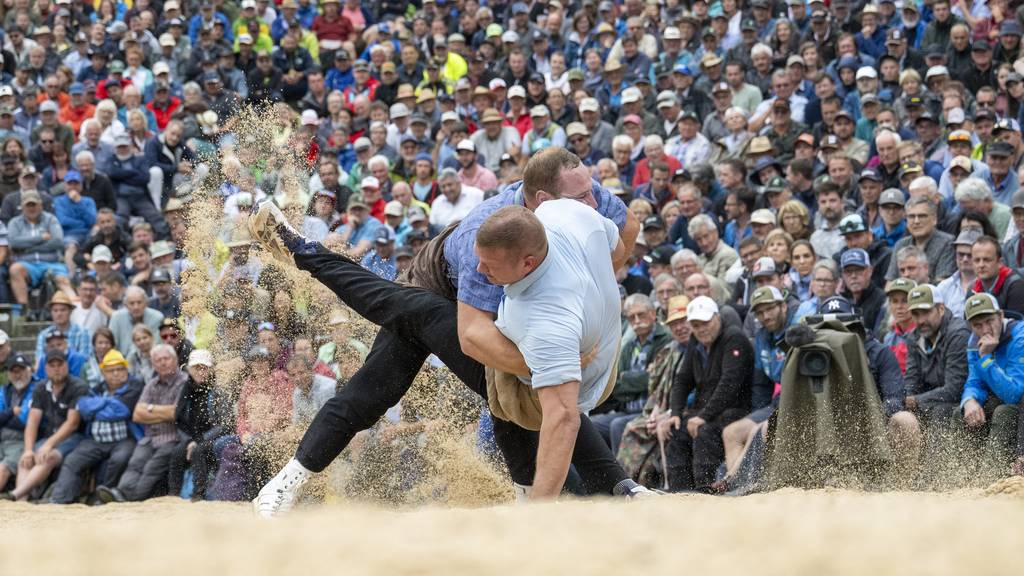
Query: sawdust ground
[[787, 532]]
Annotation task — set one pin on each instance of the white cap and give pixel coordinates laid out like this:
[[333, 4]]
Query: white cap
[[497, 83], [101, 253], [394, 208], [956, 116], [866, 72], [936, 71], [167, 39], [172, 5], [510, 36], [450, 115], [200, 357], [399, 110], [161, 67], [631, 94], [310, 118], [4, 338], [517, 90], [701, 309], [672, 33], [6, 91], [248, 4], [590, 105], [370, 182], [466, 144]]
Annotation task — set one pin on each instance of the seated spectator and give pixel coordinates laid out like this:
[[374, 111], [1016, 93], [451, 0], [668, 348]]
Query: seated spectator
[[77, 362], [171, 334], [76, 214], [53, 427], [269, 339], [79, 338], [146, 474], [15, 406], [139, 364], [868, 298], [203, 415], [135, 311], [637, 354], [361, 230], [381, 261], [36, 239], [311, 389], [96, 185], [166, 296], [995, 278], [107, 414], [107, 233], [716, 257], [922, 222], [129, 176], [995, 380], [102, 342], [456, 200], [718, 368]]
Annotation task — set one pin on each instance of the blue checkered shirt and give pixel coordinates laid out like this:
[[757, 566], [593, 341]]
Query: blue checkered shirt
[[473, 287], [79, 340]]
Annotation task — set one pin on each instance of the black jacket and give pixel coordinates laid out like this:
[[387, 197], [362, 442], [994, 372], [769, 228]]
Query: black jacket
[[936, 377], [871, 305], [201, 410], [100, 190], [722, 381], [880, 254]]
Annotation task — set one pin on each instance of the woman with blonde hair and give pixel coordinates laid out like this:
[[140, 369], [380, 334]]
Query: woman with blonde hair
[[795, 220], [670, 213], [641, 208]]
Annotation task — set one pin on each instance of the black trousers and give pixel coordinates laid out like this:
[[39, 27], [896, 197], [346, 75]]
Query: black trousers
[[415, 323], [692, 462], [203, 463]]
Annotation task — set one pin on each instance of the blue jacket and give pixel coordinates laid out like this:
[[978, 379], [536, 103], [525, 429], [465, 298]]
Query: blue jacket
[[100, 405], [76, 218], [885, 369], [7, 419], [769, 358], [76, 362], [1000, 373], [129, 176]]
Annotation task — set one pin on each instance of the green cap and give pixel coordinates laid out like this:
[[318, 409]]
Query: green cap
[[116, 67], [980, 305], [904, 285], [357, 200], [776, 184], [576, 74], [766, 295], [923, 297]]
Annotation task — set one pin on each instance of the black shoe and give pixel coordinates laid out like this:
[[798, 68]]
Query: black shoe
[[108, 495], [7, 496]]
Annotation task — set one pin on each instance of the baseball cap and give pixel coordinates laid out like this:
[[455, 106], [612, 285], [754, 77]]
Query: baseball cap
[[310, 118], [765, 266], [866, 72], [54, 353], [835, 305], [660, 255], [852, 224], [653, 222], [963, 163], [1017, 200], [923, 297], [904, 285], [631, 94], [870, 174], [855, 257], [968, 237], [765, 295], [892, 196], [385, 235], [762, 216], [16, 359], [539, 111], [30, 197], [200, 357], [370, 182], [517, 91], [909, 167], [1006, 124], [1000, 148], [980, 305], [701, 309], [394, 208], [101, 253], [160, 276]]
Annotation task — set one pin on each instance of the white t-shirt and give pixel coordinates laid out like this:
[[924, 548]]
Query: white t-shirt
[[568, 304], [443, 212]]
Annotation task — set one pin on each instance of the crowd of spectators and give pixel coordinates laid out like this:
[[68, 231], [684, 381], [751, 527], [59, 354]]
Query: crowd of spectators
[[780, 155]]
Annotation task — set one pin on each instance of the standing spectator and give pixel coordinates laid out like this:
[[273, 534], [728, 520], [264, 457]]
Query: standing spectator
[[146, 474]]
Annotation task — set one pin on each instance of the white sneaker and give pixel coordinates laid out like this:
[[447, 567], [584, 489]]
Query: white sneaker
[[630, 489], [270, 228], [278, 496]]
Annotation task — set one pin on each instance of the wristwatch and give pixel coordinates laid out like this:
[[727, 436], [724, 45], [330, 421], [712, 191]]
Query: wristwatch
[[149, 408]]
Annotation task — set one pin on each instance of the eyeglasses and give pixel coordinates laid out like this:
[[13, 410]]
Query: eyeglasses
[[825, 280], [918, 216], [963, 255]]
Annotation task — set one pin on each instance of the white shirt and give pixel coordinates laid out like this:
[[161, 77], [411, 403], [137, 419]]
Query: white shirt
[[568, 304], [91, 318], [443, 212]]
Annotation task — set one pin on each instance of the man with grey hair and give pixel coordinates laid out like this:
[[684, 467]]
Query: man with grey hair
[[665, 287], [784, 88], [975, 195], [146, 475], [91, 142], [639, 348], [912, 264], [685, 263], [716, 257], [922, 221], [95, 185], [135, 311], [456, 200]]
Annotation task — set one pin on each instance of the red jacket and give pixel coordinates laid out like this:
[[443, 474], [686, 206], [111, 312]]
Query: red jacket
[[163, 116], [339, 29], [642, 174]]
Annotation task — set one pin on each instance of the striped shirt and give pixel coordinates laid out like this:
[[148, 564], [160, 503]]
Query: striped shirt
[[160, 392]]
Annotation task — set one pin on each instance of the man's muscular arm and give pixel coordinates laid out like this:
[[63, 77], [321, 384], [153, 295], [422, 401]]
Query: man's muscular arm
[[481, 340], [628, 236], [559, 425]]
